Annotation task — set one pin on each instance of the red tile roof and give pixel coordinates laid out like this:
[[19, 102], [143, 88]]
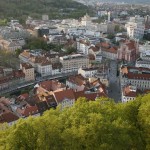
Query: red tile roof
[[31, 110], [95, 49], [26, 65], [8, 117], [137, 74], [61, 95], [18, 74], [130, 44], [127, 91], [89, 96], [51, 85], [45, 63], [110, 50], [5, 79], [23, 96], [77, 79], [104, 45]]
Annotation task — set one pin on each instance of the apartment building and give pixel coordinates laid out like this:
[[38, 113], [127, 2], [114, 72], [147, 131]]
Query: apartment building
[[129, 93], [83, 47], [15, 78], [86, 20], [135, 27], [142, 63], [10, 45], [139, 77], [65, 98], [76, 82], [88, 72], [28, 70], [24, 56], [144, 60], [108, 51], [44, 68], [72, 63], [94, 51], [144, 47]]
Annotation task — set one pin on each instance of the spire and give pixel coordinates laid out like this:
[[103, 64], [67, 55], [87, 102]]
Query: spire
[[109, 16]]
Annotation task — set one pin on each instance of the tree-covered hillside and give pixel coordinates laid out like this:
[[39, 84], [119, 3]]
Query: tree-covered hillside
[[20, 9], [98, 125]]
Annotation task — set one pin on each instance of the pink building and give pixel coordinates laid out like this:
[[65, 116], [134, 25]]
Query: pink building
[[128, 50]]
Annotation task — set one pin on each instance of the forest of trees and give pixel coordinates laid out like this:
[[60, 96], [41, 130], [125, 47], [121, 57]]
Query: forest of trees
[[95, 125], [56, 9]]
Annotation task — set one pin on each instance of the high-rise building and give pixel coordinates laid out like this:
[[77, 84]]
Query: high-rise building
[[135, 27]]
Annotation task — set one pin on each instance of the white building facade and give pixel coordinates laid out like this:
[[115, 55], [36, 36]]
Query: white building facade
[[135, 28], [88, 72]]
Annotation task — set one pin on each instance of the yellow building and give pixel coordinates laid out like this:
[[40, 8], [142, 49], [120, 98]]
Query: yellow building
[[28, 70], [72, 63]]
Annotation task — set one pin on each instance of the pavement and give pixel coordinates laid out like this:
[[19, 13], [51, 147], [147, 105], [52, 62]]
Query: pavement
[[114, 86]]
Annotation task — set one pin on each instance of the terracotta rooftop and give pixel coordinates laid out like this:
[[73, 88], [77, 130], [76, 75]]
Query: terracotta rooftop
[[51, 85], [18, 74], [138, 76], [61, 95], [89, 96], [5, 79], [130, 44], [104, 45], [30, 111], [8, 117], [129, 92], [111, 49], [45, 63], [23, 96], [33, 100], [37, 59], [95, 49], [26, 65], [136, 73], [77, 79]]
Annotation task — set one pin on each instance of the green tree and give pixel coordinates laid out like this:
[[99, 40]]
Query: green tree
[[18, 51], [101, 124]]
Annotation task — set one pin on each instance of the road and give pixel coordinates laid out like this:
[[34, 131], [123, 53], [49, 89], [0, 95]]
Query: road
[[40, 79], [114, 87]]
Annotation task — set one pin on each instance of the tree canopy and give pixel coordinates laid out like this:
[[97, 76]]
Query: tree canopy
[[56, 9], [94, 125]]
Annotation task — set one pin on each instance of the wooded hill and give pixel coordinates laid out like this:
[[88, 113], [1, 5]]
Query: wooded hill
[[20, 9], [95, 125]]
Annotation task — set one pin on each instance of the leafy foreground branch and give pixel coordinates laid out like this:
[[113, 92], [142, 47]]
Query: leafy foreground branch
[[98, 125]]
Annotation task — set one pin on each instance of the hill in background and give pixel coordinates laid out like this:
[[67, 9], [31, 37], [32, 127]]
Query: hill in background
[[20, 9]]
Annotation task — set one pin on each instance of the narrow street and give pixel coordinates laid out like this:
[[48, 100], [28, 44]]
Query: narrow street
[[114, 87]]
